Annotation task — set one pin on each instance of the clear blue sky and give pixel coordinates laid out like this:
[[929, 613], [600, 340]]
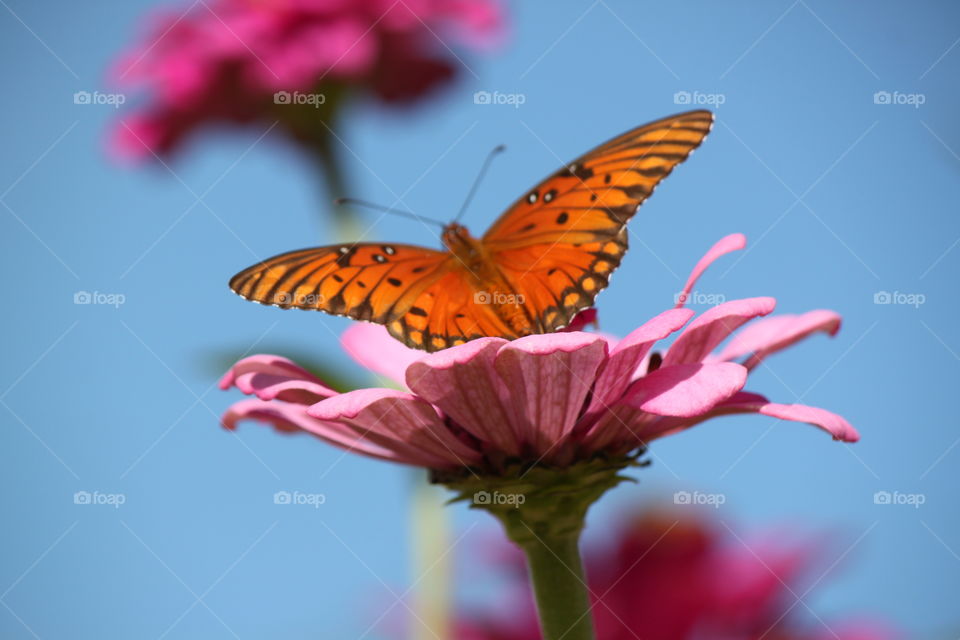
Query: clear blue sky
[[839, 196]]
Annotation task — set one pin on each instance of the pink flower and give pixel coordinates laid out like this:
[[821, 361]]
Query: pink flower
[[221, 62], [555, 398], [668, 576]]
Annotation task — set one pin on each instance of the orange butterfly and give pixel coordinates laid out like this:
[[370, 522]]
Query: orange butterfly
[[546, 258]]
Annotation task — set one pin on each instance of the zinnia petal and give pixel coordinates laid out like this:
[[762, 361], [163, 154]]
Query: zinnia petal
[[711, 328], [686, 390], [830, 422], [618, 371], [769, 335], [464, 384], [746, 402], [549, 377], [372, 347], [275, 378], [291, 418], [732, 242], [400, 422]]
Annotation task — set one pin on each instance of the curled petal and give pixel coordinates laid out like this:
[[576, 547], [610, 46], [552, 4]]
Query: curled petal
[[275, 378], [746, 402], [732, 242], [686, 390], [548, 377], [767, 336], [399, 422], [372, 347], [464, 384], [292, 418], [618, 371], [830, 422], [711, 328]]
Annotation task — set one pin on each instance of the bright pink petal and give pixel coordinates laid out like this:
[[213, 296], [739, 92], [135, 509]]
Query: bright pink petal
[[273, 377], [830, 422], [400, 422], [291, 418], [374, 348], [764, 337], [733, 242], [548, 377], [686, 390], [464, 384], [745, 402], [710, 329], [618, 372]]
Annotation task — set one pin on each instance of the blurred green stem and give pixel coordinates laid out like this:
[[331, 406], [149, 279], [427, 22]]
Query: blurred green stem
[[347, 228], [430, 535]]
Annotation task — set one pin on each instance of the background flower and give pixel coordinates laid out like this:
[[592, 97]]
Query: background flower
[[295, 62], [667, 575]]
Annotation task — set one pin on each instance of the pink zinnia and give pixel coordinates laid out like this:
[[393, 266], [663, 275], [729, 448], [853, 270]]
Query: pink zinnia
[[552, 399], [223, 61]]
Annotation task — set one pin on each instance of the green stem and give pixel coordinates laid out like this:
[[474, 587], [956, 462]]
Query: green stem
[[563, 602], [335, 182], [543, 510]]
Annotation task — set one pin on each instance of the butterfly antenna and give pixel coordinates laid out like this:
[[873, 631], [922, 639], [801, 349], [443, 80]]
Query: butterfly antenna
[[398, 212], [476, 183]]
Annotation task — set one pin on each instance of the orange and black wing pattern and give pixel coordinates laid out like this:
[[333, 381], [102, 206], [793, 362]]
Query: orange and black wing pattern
[[559, 243], [552, 252], [426, 299], [373, 282]]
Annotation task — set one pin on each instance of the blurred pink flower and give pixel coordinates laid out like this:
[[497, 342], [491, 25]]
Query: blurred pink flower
[[223, 61], [670, 576], [555, 398]]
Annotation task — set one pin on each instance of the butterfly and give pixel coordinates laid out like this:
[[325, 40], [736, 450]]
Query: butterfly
[[544, 260]]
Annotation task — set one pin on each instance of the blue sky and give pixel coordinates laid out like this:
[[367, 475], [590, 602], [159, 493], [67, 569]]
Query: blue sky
[[843, 195]]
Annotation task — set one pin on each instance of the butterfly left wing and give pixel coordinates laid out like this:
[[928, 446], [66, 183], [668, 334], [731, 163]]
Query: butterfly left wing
[[365, 281], [558, 245], [425, 298]]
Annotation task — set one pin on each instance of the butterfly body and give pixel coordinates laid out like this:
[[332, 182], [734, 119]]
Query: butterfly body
[[540, 263]]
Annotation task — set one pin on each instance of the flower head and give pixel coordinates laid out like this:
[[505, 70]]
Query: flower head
[[290, 61], [552, 400]]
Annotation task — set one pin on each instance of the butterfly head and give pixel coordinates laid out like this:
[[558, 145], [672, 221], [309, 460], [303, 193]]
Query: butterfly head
[[458, 240]]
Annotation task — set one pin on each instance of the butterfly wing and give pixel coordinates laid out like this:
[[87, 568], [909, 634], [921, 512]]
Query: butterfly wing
[[450, 311], [425, 298], [558, 245]]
